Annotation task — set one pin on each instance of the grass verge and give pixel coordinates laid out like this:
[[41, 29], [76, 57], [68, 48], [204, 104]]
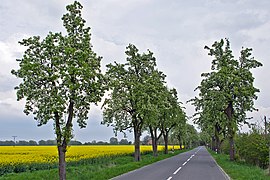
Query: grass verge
[[97, 171], [239, 170]]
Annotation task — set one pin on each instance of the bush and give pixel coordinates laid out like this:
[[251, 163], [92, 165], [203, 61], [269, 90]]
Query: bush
[[251, 148]]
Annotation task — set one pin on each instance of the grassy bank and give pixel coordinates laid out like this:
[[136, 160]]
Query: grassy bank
[[239, 170], [99, 170]]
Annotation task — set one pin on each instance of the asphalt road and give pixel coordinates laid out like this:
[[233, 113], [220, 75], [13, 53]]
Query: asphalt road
[[191, 165]]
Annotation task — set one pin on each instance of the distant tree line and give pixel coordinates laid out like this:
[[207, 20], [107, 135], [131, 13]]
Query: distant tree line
[[35, 143], [113, 141]]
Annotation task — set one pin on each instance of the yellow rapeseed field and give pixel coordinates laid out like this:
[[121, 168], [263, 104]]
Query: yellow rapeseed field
[[10, 155]]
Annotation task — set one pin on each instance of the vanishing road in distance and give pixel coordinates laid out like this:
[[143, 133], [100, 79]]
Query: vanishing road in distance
[[196, 164]]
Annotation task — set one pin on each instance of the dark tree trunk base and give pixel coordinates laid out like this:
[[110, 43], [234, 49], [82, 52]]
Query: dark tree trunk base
[[62, 162]]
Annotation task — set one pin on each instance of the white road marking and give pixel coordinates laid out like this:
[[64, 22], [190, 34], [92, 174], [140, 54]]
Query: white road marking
[[198, 150], [175, 172]]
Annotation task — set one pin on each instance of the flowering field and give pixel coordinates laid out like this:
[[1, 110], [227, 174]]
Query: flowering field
[[20, 155]]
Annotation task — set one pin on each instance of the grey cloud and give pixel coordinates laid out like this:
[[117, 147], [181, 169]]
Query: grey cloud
[[176, 31]]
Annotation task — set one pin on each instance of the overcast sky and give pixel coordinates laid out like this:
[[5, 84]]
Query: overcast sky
[[175, 30]]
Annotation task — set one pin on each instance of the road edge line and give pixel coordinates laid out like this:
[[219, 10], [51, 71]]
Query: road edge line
[[220, 168]]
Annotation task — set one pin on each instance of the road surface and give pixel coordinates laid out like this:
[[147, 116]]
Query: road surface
[[191, 165]]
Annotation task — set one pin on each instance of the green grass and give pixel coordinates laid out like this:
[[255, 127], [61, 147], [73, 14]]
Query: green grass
[[97, 171], [239, 170]]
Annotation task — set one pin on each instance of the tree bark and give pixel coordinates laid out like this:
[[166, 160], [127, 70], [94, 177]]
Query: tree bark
[[217, 142], [62, 162], [154, 147], [165, 136], [61, 149], [180, 143], [213, 142], [154, 140], [232, 149], [137, 153], [229, 113]]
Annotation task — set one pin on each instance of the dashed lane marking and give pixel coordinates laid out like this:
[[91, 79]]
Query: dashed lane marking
[[175, 172]]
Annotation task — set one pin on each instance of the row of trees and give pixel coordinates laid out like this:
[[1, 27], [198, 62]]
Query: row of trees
[[61, 77], [113, 141], [139, 100], [226, 94], [35, 143]]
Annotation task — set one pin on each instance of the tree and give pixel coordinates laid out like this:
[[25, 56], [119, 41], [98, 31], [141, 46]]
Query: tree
[[7, 143], [123, 142], [158, 102], [146, 140], [171, 115], [74, 142], [228, 88], [61, 77], [213, 122], [113, 140], [41, 142], [131, 86], [178, 133], [191, 136], [205, 138], [32, 143], [22, 143]]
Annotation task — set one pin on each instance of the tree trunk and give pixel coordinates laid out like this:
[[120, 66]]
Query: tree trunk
[[62, 162], [154, 146], [165, 135], [180, 144], [155, 138], [180, 141], [137, 153], [229, 113], [61, 147], [154, 142], [232, 150], [213, 142], [217, 144]]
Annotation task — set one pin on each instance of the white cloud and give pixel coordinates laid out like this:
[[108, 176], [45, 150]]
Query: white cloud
[[175, 31]]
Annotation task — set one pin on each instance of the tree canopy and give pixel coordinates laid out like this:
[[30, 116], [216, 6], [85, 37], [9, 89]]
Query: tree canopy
[[227, 92], [132, 89], [61, 77]]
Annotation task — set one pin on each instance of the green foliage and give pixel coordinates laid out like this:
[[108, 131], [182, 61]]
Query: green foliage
[[230, 80], [191, 137], [239, 170], [170, 112], [60, 75], [205, 138], [251, 148], [133, 89], [227, 92]]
